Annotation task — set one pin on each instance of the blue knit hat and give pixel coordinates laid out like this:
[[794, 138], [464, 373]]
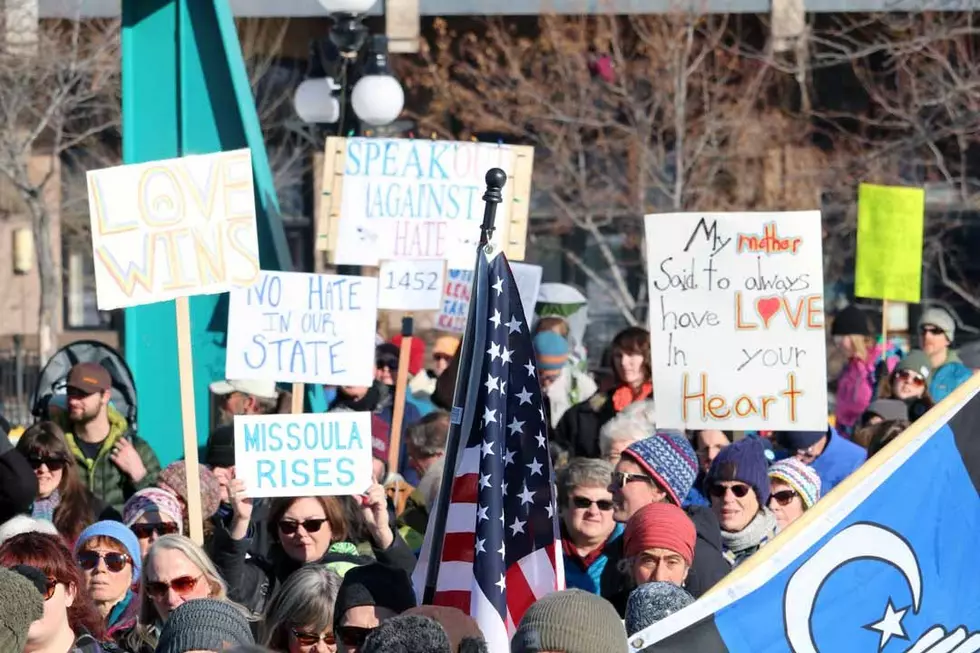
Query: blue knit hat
[[551, 350], [120, 533], [745, 462], [651, 602], [669, 457]]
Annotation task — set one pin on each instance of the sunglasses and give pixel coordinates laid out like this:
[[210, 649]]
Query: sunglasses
[[739, 490], [182, 585], [442, 357], [304, 638], [910, 377], [353, 636], [621, 479], [933, 330], [49, 588], [289, 527], [605, 505], [53, 464], [114, 562], [783, 497], [146, 531]]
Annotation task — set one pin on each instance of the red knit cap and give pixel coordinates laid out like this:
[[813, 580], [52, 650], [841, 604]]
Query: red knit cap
[[416, 359], [660, 526]]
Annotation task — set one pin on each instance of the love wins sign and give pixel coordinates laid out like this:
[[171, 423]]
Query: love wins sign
[[736, 320]]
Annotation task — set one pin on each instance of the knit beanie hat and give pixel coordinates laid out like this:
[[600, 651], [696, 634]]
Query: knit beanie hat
[[220, 449], [651, 602], [571, 621], [745, 462], [21, 604], [457, 624], [416, 357], [660, 526], [670, 459], [408, 633], [153, 499], [939, 317], [916, 361], [446, 346], [174, 477], [21, 524], [794, 441], [799, 476], [374, 584], [851, 321], [551, 351], [204, 625], [120, 533], [887, 409]]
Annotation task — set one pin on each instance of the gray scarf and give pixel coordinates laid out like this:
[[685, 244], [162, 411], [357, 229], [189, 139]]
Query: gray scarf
[[739, 546]]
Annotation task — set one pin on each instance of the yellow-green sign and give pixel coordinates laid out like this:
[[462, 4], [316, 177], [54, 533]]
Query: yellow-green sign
[[889, 243]]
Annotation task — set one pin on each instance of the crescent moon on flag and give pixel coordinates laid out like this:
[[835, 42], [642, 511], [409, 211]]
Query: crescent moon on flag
[[862, 541]]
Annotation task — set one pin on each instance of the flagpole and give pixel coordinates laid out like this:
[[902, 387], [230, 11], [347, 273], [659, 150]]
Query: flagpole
[[461, 419]]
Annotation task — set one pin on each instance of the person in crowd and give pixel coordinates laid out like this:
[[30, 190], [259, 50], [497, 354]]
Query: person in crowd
[[204, 625], [151, 514], [884, 433], [22, 592], [300, 617], [793, 489], [173, 478], [830, 454], [305, 530], [937, 331], [561, 379], [659, 544], [426, 451], [651, 602], [175, 571], [62, 497], [244, 397], [426, 441], [880, 410], [443, 351], [578, 429], [910, 383], [70, 623], [416, 369], [570, 621], [116, 462], [707, 443], [21, 524], [854, 337], [109, 556], [661, 469], [408, 634], [368, 596], [636, 422], [739, 489], [380, 439], [464, 633], [423, 385], [587, 527], [18, 482]]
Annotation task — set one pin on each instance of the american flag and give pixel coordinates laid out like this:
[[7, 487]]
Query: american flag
[[501, 551]]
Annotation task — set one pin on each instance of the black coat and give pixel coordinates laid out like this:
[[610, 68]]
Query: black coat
[[18, 484], [577, 432]]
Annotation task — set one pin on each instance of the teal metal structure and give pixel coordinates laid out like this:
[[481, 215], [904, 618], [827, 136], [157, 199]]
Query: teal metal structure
[[185, 90]]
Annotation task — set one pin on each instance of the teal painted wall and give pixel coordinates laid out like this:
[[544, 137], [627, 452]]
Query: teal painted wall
[[185, 91]]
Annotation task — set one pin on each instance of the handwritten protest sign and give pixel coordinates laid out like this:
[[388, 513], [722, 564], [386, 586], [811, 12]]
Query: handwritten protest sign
[[459, 283], [411, 285], [889, 243], [173, 228], [303, 455], [388, 198], [736, 320], [303, 328]]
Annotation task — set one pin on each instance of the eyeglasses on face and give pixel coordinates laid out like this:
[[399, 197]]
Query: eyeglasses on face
[[114, 562], [304, 638], [783, 497], [353, 636], [50, 586], [290, 526], [932, 330], [146, 531], [910, 377], [621, 479], [584, 503], [182, 585], [53, 464], [738, 489]]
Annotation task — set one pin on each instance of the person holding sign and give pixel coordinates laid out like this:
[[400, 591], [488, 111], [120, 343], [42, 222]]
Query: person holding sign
[[937, 329]]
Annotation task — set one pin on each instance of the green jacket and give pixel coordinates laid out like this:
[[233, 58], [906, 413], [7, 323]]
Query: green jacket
[[106, 481]]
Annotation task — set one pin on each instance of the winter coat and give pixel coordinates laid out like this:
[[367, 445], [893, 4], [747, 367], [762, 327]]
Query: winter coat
[[103, 479], [948, 376], [578, 429], [85, 643], [602, 576], [839, 459], [571, 387], [18, 484], [856, 387]]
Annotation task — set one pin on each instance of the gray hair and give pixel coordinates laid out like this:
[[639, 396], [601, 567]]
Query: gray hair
[[583, 472], [306, 600], [428, 435], [635, 422]]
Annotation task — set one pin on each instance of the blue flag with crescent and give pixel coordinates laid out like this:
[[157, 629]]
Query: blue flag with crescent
[[887, 562]]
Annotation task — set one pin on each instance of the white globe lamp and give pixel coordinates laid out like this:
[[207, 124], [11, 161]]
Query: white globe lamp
[[377, 100], [355, 7], [315, 103]]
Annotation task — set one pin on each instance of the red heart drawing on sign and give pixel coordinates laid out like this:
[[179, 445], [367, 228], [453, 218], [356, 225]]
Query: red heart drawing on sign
[[766, 307]]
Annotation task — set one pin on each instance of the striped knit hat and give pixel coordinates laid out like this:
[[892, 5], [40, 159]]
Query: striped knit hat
[[670, 459], [551, 350], [799, 476]]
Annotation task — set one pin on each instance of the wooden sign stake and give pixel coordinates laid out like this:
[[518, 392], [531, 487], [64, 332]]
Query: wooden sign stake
[[299, 392], [401, 387], [185, 367]]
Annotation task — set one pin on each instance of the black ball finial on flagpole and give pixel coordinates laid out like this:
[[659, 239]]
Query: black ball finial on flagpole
[[496, 178]]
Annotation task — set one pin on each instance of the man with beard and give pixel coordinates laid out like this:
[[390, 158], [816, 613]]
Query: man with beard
[[244, 398], [113, 461]]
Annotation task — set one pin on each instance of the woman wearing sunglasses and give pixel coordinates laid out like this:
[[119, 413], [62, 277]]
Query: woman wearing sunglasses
[[152, 513], [910, 383], [70, 623], [587, 526], [62, 497], [794, 487], [738, 488], [300, 618], [108, 554]]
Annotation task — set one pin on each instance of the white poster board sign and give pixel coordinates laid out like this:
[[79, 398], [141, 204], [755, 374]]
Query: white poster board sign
[[736, 320], [303, 328], [459, 284], [173, 228], [411, 285], [528, 280], [305, 455]]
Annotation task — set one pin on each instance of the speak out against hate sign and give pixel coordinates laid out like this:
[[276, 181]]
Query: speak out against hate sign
[[736, 320]]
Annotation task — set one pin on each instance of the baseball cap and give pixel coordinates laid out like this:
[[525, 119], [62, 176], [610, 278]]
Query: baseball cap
[[256, 388], [89, 378]]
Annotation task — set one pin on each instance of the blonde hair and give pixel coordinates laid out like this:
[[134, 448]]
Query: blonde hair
[[862, 345]]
